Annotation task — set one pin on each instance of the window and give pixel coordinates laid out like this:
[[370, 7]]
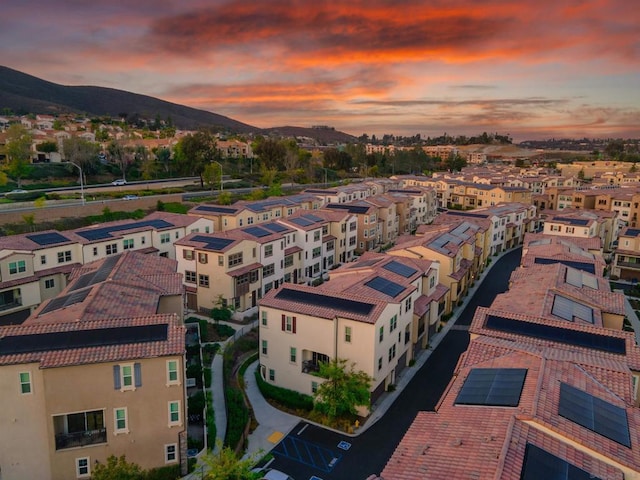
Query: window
[[120, 420], [25, 382], [206, 229], [314, 387], [165, 237], [316, 252], [268, 286], [347, 334], [268, 250], [268, 270], [407, 304], [393, 323], [49, 283], [64, 256], [203, 280], [203, 257], [127, 376], [235, 259], [177, 234], [172, 372], [170, 453], [143, 240], [392, 352], [111, 249], [265, 347], [17, 267], [272, 375], [127, 244], [380, 363], [264, 318], [221, 260], [174, 413], [381, 334], [189, 276], [288, 324], [43, 259], [83, 468], [352, 241], [432, 282], [330, 245], [288, 261], [316, 235], [292, 354]]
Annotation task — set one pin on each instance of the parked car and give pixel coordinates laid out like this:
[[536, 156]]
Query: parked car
[[271, 474], [120, 181], [130, 197], [16, 191]]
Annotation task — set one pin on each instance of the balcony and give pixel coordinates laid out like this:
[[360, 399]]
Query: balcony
[[634, 265], [81, 439], [12, 304]]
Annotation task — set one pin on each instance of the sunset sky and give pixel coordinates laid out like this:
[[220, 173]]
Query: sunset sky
[[537, 69]]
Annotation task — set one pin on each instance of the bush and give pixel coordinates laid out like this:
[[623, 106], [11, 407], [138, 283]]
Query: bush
[[207, 377], [283, 396], [211, 422], [225, 331], [171, 472], [237, 417], [221, 314], [194, 371], [246, 344], [196, 403]]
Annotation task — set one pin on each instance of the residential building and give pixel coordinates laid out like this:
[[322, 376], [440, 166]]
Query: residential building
[[583, 224], [626, 257]]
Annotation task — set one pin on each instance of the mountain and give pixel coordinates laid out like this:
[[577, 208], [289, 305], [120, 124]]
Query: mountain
[[25, 93]]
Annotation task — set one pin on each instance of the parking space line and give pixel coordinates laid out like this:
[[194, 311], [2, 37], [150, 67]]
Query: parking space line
[[307, 453]]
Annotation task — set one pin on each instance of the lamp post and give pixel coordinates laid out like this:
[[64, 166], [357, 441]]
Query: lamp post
[[220, 165], [81, 181], [325, 177]]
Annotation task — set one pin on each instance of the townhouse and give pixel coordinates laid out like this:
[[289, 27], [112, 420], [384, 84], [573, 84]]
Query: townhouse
[[584, 224], [548, 249], [423, 208], [626, 257], [86, 377], [364, 314], [369, 230]]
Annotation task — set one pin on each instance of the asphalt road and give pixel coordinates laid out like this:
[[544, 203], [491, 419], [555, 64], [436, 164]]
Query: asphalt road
[[312, 452]]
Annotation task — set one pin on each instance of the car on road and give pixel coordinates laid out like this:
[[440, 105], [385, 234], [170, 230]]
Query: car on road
[[130, 197], [119, 181], [271, 474], [16, 191]]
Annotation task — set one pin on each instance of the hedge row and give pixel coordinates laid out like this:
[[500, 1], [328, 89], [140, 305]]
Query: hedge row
[[285, 397]]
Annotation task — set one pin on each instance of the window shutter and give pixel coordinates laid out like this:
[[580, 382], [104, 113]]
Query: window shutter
[[284, 323], [293, 327], [116, 377], [137, 373]]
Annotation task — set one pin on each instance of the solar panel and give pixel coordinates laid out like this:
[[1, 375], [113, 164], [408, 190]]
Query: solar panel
[[257, 232], [65, 301], [326, 301], [365, 263], [303, 222], [213, 243], [50, 238], [500, 387], [105, 232], [539, 464], [351, 208], [584, 266], [400, 269], [466, 214], [274, 227], [542, 241], [557, 334], [214, 209], [568, 309], [632, 232], [99, 276], [43, 342], [313, 218], [385, 286], [594, 413], [572, 221]]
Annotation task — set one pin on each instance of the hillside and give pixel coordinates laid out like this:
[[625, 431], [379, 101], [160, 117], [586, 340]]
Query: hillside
[[324, 136], [26, 93]]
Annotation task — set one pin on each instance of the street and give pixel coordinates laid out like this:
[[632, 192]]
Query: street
[[310, 450]]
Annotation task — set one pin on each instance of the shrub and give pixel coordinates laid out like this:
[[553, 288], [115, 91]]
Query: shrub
[[196, 403], [207, 377], [283, 396], [237, 417], [225, 331]]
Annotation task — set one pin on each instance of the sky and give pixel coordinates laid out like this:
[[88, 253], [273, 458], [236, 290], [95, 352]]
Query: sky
[[533, 70]]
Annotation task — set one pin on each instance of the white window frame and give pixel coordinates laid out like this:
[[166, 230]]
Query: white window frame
[[171, 381], [264, 318], [79, 473], [170, 412], [123, 386], [167, 454], [116, 429], [49, 283], [23, 383]]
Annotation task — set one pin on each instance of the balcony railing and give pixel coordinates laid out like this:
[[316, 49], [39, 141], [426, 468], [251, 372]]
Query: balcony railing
[[80, 439], [635, 265], [9, 305], [309, 366]]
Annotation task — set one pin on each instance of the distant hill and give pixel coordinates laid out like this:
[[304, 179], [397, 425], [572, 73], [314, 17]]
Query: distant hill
[[25, 93]]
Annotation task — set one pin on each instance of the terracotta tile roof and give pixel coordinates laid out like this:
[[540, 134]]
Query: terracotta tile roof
[[246, 269], [188, 241], [38, 275], [422, 305], [22, 242], [292, 250]]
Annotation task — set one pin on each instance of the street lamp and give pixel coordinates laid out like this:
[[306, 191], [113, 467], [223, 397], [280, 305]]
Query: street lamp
[[220, 165], [81, 181], [325, 177]]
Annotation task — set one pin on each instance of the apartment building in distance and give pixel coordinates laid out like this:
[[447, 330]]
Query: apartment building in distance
[[35, 266], [365, 314], [86, 377], [583, 224]]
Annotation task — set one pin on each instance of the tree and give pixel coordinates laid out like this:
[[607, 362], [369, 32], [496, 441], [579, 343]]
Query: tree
[[117, 468], [581, 174], [194, 152], [271, 153], [83, 153], [211, 175], [47, 147], [18, 152], [224, 198], [343, 390], [163, 156], [225, 465]]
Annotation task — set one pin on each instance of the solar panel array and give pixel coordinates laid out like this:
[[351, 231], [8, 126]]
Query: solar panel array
[[303, 222], [105, 232], [632, 232], [578, 279], [569, 310], [215, 209], [99, 276], [499, 387], [557, 334], [467, 214], [100, 337], [325, 301], [539, 464], [595, 414], [400, 269], [385, 286], [584, 266], [573, 221], [358, 209], [213, 243], [274, 227], [50, 238], [65, 301], [257, 232], [542, 241]]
